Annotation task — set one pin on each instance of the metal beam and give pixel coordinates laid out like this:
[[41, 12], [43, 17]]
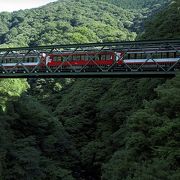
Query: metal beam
[[97, 71], [90, 74]]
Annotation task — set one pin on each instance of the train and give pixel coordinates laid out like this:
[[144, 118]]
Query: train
[[149, 59]]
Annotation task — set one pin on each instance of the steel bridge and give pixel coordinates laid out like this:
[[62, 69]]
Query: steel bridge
[[20, 70]]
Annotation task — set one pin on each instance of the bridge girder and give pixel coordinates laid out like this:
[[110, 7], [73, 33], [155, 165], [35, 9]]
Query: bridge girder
[[97, 70]]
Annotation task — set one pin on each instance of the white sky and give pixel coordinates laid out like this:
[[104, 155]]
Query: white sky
[[14, 5]]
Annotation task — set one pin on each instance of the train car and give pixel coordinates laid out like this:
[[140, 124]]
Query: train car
[[150, 59], [81, 59], [10, 61]]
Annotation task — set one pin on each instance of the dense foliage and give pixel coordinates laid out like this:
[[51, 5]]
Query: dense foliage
[[89, 129], [166, 24], [138, 4], [59, 23]]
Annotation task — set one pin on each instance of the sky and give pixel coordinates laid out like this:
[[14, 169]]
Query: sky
[[14, 5]]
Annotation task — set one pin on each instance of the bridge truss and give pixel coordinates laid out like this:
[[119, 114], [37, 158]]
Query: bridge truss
[[20, 70]]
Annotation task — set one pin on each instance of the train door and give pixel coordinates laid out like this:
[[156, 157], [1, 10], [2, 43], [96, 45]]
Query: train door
[[43, 59]]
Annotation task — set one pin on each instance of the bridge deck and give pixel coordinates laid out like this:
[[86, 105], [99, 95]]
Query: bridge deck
[[20, 70]]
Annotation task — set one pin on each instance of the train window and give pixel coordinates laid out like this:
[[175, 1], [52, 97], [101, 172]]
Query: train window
[[108, 57], [60, 58], [86, 57], [144, 56], [75, 58], [125, 56], [93, 57], [97, 57], [78, 58], [139, 56], [103, 57], [82, 57], [148, 55], [178, 54], [171, 55], [55, 58], [65, 59], [158, 55], [24, 60], [151, 56], [135, 56], [31, 59], [16, 60], [163, 55], [70, 58], [130, 56], [90, 57]]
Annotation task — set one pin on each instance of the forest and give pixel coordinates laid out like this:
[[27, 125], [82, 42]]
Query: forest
[[90, 129]]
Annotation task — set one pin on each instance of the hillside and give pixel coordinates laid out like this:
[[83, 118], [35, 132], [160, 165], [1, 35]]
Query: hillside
[[164, 25], [59, 23], [87, 129], [138, 4]]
